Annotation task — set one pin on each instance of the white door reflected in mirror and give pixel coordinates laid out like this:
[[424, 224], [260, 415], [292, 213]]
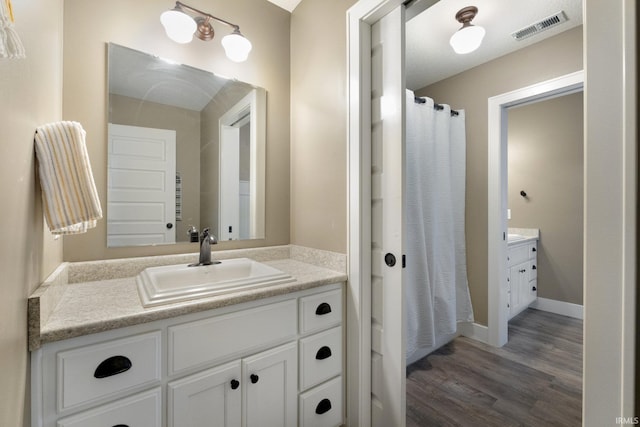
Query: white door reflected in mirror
[[240, 192], [142, 192]]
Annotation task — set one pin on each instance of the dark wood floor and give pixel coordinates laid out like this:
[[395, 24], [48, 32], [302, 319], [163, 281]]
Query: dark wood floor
[[534, 380]]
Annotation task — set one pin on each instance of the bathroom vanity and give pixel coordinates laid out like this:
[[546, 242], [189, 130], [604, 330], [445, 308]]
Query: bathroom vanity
[[270, 356], [522, 271]]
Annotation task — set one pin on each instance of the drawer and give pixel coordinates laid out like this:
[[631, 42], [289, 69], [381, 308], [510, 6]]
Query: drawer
[[322, 406], [517, 254], [231, 335], [533, 250], [533, 269], [533, 288], [320, 357], [89, 373], [141, 410], [320, 311]]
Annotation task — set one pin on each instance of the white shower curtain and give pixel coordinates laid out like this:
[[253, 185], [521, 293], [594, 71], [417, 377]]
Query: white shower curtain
[[436, 289]]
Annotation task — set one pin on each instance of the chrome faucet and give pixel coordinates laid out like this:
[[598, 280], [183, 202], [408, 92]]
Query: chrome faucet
[[206, 240]]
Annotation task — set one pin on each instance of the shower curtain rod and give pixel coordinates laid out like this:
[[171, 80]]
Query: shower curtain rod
[[438, 107]]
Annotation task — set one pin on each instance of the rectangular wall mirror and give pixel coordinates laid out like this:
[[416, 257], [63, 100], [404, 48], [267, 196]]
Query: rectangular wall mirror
[[186, 150]]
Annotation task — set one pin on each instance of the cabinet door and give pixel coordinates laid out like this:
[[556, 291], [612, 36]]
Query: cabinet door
[[270, 383], [208, 398], [514, 290], [509, 286], [519, 280]]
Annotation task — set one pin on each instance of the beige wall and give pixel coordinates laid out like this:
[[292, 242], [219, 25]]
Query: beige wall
[[319, 125], [30, 95], [470, 90], [135, 112], [546, 145], [90, 24]]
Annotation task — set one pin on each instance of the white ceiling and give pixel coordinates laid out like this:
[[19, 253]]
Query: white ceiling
[[288, 5], [142, 76], [430, 58]]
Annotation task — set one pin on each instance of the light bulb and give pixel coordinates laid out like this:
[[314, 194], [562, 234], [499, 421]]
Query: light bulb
[[236, 46], [467, 39], [178, 25]]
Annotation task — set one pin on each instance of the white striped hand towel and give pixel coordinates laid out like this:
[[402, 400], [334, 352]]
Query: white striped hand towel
[[69, 194]]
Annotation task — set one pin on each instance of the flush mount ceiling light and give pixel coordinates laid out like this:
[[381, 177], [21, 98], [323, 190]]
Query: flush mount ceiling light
[[181, 27], [469, 37]]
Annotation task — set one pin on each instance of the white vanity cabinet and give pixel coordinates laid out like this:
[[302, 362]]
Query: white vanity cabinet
[[521, 276], [272, 362]]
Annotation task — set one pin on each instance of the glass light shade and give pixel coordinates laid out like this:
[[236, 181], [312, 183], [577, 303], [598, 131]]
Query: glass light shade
[[236, 46], [467, 39], [178, 25]]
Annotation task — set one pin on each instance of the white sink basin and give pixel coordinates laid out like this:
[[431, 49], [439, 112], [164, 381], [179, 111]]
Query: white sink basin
[[174, 283], [515, 237]]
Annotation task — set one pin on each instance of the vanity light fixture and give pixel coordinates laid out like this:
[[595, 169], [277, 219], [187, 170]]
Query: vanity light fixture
[[469, 37], [181, 27]]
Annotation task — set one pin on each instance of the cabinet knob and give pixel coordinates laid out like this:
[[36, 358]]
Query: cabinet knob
[[112, 366], [323, 406], [235, 384], [534, 288], [533, 249], [533, 267], [323, 353], [254, 378], [323, 309]]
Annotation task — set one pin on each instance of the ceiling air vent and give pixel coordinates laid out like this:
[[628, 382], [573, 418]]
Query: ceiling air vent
[[540, 26]]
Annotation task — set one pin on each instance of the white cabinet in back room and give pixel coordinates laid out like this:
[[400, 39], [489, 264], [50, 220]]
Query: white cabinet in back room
[[522, 273]]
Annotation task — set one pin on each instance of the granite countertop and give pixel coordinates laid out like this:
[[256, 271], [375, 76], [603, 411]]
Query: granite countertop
[[59, 309], [519, 236]]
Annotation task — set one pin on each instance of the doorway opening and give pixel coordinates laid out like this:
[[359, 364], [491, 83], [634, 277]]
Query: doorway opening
[[497, 191]]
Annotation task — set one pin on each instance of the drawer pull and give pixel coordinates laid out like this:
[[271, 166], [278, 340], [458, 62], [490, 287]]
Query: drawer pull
[[121, 425], [323, 407], [254, 378], [323, 309], [235, 384], [112, 366], [323, 353]]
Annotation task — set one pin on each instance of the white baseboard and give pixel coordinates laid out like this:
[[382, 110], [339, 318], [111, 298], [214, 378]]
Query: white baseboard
[[559, 307], [474, 331]]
